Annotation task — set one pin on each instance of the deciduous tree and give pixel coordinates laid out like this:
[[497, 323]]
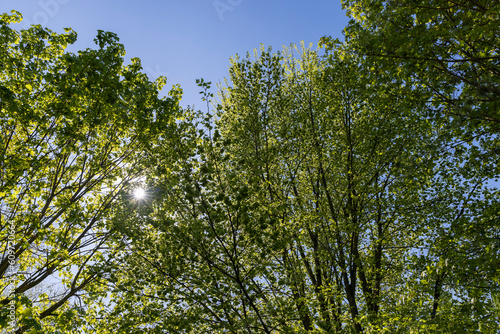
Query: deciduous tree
[[450, 46], [315, 199], [73, 127]]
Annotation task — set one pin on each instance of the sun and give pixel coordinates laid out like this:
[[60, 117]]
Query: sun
[[139, 193]]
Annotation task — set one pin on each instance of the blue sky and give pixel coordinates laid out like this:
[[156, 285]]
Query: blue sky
[[188, 39]]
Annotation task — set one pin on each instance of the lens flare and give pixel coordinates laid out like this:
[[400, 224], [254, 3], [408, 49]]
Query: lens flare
[[139, 193]]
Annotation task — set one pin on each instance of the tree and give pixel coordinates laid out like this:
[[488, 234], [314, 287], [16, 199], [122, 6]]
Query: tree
[[331, 191], [314, 200], [449, 49], [450, 46], [73, 128]]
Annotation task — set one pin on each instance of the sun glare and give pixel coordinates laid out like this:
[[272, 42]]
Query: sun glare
[[139, 193]]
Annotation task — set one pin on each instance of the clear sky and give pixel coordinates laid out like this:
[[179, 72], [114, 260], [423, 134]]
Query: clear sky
[[188, 39]]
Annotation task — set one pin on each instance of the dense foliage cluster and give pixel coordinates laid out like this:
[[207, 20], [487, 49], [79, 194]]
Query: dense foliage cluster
[[73, 128], [345, 189]]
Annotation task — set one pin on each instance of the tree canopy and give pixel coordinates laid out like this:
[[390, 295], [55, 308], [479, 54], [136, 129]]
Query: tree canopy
[[348, 188], [450, 46], [314, 199], [73, 128]]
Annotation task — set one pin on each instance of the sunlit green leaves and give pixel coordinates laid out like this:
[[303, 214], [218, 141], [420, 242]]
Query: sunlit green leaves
[[299, 205], [73, 128]]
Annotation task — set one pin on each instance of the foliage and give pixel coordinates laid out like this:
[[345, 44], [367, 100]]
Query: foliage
[[450, 46], [316, 199], [348, 189], [73, 127], [448, 52]]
